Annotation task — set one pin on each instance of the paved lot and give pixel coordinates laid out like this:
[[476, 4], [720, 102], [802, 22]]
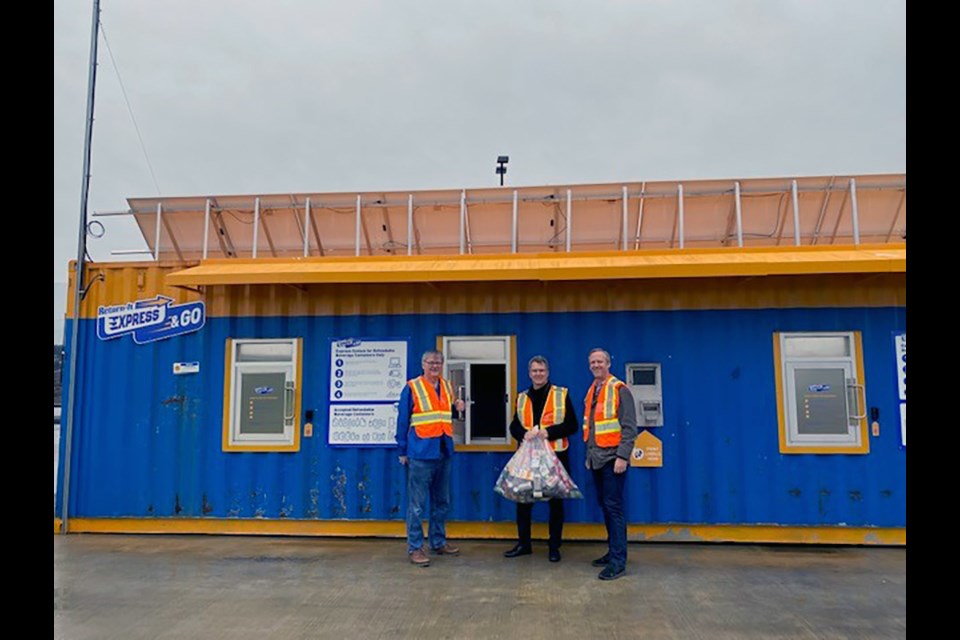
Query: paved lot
[[238, 587]]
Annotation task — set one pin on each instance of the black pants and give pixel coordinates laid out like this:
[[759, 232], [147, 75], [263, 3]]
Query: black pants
[[525, 511]]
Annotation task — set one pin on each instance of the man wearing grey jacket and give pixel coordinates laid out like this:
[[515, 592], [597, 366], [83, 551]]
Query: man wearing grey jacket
[[609, 430]]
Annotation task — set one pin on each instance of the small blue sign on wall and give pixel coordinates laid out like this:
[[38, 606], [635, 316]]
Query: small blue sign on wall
[[183, 368]]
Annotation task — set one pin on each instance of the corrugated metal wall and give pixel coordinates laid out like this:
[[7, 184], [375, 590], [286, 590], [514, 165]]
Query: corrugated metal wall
[[133, 281], [148, 443]]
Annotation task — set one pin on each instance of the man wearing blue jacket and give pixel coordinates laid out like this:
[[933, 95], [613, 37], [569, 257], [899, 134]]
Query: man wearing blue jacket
[[425, 447]]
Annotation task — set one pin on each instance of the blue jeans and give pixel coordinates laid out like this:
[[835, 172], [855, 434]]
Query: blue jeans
[[427, 477], [610, 490]]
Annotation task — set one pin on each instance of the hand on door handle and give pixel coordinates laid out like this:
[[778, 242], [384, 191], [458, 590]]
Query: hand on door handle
[[459, 404]]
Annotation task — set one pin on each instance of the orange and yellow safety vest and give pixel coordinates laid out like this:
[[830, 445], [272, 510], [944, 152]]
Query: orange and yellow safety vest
[[431, 416], [554, 411], [607, 425]]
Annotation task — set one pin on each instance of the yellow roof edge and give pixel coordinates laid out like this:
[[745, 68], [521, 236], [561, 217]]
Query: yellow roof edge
[[693, 251], [613, 265]]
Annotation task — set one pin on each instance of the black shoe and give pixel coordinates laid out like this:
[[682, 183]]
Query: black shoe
[[611, 573], [518, 550], [601, 562], [554, 555]]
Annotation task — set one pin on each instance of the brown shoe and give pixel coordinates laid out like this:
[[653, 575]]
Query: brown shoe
[[419, 558], [446, 550]]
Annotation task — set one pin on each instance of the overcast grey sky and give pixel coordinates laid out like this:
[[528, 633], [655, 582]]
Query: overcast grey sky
[[242, 96]]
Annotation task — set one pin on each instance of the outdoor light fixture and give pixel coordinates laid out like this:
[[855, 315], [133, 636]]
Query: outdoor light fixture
[[501, 169]]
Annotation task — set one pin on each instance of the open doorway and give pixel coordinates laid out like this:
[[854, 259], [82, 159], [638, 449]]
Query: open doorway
[[479, 368]]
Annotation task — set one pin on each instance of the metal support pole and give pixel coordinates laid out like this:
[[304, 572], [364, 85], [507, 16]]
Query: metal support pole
[[736, 190], [643, 192], [256, 224], [79, 274], [680, 212], [623, 241], [855, 213], [356, 244], [463, 219], [513, 236], [156, 240], [306, 228], [206, 227], [796, 213], [410, 224]]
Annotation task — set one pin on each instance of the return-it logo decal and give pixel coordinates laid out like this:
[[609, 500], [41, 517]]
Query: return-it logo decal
[[149, 320]]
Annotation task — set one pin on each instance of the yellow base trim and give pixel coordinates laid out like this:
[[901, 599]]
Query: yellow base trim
[[752, 534]]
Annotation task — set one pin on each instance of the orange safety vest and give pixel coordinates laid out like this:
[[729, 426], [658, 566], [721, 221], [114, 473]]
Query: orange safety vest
[[605, 415], [554, 411], [431, 415]]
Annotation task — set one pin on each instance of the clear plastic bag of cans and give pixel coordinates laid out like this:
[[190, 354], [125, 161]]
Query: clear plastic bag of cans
[[535, 474]]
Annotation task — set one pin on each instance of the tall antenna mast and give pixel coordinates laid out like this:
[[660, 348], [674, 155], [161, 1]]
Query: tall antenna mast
[[78, 288]]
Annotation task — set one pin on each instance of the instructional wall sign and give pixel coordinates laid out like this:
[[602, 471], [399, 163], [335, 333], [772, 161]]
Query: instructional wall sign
[[367, 370], [363, 424], [900, 350], [903, 423], [366, 378]]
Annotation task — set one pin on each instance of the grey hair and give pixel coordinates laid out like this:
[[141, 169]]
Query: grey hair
[[431, 352], [605, 353]]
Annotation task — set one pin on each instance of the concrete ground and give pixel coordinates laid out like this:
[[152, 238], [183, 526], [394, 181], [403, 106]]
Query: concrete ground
[[236, 587]]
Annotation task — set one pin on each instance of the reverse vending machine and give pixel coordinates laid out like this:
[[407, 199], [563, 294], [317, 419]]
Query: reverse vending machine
[[643, 378]]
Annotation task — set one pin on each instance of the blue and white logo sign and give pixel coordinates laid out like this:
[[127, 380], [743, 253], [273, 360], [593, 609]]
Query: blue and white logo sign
[[150, 320]]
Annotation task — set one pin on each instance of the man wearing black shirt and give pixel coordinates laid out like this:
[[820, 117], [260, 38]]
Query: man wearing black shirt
[[543, 411]]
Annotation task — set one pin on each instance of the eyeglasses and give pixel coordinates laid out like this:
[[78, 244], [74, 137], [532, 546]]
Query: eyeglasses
[[433, 362]]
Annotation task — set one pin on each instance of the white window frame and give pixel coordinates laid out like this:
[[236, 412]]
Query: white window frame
[[509, 363], [855, 439], [289, 439]]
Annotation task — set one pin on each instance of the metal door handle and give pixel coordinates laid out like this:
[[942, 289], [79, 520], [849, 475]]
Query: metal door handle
[[861, 408], [288, 388]]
